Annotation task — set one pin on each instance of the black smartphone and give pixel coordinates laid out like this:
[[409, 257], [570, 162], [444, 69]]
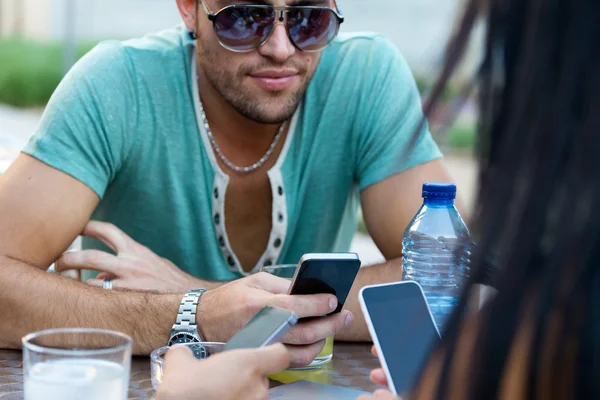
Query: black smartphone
[[332, 273], [267, 327], [402, 328]]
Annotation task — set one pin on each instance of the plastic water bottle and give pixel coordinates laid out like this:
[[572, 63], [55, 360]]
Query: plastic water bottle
[[437, 247]]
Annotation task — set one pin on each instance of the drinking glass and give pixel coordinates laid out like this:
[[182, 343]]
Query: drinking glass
[[76, 363], [201, 350]]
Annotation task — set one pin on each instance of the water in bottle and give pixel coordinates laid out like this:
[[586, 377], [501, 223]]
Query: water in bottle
[[437, 247]]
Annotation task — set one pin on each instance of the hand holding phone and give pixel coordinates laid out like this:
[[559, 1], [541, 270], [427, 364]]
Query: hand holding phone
[[402, 328], [267, 327], [328, 273]]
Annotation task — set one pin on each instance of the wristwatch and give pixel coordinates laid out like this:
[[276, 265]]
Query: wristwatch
[[185, 329]]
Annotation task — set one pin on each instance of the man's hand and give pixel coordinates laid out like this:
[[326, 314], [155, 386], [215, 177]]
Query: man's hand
[[238, 374], [225, 310], [134, 266]]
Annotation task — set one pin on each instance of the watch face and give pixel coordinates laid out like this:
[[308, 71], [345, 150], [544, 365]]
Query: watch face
[[184, 337], [200, 352]]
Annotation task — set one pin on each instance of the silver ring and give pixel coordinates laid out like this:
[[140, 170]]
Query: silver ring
[[107, 284]]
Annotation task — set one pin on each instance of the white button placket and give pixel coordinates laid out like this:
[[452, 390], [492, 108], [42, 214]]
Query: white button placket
[[218, 218], [279, 221], [279, 216]]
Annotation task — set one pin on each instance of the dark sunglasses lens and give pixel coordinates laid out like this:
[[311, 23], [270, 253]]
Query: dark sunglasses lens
[[312, 29], [244, 28]]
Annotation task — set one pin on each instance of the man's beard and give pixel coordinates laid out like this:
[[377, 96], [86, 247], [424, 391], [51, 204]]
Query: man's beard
[[229, 86]]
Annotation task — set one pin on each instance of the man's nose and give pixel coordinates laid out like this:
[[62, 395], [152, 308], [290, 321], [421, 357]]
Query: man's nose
[[278, 47]]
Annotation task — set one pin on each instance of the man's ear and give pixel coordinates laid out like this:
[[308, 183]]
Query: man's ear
[[187, 9]]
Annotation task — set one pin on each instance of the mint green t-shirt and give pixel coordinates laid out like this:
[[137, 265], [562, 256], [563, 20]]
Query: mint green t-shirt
[[124, 122]]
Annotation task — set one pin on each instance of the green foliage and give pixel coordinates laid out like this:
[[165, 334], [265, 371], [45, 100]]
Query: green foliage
[[461, 137], [30, 71], [426, 86]]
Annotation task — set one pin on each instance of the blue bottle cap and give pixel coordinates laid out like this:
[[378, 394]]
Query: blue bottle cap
[[439, 190]]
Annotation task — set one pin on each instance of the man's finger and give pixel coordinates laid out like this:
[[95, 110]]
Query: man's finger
[[106, 275], [314, 305], [116, 284], [272, 359], [271, 283], [301, 356], [89, 259], [109, 234], [318, 329]]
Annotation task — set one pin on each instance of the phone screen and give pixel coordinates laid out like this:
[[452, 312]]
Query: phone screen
[[330, 276], [404, 329], [267, 327]]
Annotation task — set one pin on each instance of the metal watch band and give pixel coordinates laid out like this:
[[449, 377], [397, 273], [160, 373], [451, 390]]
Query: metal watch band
[[186, 317]]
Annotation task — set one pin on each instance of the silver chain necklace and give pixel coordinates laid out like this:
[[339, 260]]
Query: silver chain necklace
[[230, 165]]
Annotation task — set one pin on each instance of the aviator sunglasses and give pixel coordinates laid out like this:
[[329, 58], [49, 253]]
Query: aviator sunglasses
[[246, 27]]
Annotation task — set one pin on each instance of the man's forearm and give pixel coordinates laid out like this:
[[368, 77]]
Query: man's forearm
[[32, 299], [390, 271], [197, 283]]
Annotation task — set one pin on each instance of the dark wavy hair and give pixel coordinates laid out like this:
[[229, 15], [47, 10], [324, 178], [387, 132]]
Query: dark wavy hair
[[538, 208]]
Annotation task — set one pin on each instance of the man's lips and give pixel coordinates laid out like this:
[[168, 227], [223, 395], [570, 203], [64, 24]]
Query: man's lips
[[275, 80]]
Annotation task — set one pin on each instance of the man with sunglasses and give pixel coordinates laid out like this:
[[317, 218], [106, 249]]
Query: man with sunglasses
[[244, 139]]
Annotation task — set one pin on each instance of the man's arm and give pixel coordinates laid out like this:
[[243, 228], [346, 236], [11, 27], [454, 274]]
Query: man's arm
[[32, 299], [132, 267], [388, 207], [42, 210]]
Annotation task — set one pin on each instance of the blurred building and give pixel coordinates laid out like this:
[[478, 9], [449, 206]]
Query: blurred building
[[92, 19], [420, 28]]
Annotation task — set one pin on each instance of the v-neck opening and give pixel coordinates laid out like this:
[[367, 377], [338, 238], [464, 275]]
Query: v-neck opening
[[279, 216]]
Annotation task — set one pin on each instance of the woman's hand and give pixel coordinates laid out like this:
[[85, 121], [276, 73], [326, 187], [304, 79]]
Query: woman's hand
[[232, 375], [380, 395], [378, 376]]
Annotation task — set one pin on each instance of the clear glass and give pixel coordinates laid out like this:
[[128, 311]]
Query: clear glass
[[72, 363], [201, 351], [287, 271]]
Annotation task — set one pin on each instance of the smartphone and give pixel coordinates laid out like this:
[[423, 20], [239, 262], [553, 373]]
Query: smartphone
[[332, 273], [402, 328], [267, 327]]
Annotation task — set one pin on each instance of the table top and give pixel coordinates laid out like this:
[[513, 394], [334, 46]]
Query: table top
[[350, 367]]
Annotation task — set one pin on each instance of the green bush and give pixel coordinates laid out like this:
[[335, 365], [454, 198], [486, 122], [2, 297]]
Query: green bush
[[30, 71], [461, 137], [427, 84]]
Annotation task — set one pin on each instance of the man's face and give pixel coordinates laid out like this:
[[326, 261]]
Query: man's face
[[264, 85]]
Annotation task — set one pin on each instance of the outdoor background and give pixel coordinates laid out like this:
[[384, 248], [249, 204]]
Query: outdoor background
[[39, 39]]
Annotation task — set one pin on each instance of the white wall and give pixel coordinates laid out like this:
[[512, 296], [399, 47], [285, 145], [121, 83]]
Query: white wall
[[27, 17]]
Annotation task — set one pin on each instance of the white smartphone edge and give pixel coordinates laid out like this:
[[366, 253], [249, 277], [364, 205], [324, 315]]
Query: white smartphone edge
[[321, 256], [285, 326], [371, 328], [276, 335]]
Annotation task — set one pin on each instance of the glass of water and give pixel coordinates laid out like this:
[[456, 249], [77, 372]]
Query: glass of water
[[287, 271], [72, 363], [201, 351]]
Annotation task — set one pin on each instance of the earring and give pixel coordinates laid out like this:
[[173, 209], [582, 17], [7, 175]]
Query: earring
[[192, 34]]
